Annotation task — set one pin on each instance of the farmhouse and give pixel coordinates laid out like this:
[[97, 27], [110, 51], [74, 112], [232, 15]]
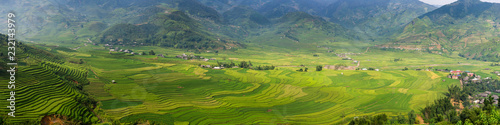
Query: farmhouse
[[456, 72], [476, 101], [475, 80], [470, 74], [483, 95], [218, 68], [454, 77], [466, 78]]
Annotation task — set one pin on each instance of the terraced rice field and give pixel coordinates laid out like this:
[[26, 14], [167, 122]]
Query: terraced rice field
[[175, 91], [170, 92], [40, 90]]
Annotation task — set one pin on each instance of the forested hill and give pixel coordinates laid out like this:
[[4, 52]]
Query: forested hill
[[455, 27], [171, 28], [245, 17], [375, 17]]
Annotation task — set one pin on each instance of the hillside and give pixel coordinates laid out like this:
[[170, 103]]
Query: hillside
[[300, 30], [46, 88], [375, 17], [245, 17], [455, 27], [169, 29]]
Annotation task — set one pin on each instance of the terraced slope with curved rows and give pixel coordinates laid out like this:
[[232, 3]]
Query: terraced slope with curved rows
[[187, 93], [43, 90]]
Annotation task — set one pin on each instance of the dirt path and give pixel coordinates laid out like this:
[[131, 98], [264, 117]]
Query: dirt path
[[367, 49], [420, 119], [461, 84]]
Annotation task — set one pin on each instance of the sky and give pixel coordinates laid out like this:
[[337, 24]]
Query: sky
[[443, 2]]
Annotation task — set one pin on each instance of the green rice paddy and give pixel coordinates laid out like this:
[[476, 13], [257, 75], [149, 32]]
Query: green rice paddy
[[170, 90], [175, 91]]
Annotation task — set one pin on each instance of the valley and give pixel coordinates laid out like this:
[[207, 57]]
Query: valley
[[200, 62]]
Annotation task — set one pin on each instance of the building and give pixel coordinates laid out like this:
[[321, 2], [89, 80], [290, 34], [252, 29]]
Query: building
[[476, 101], [470, 74], [458, 72], [454, 77]]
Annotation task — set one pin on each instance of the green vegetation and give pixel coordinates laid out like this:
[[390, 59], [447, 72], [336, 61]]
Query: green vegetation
[[47, 88], [69, 73], [319, 68]]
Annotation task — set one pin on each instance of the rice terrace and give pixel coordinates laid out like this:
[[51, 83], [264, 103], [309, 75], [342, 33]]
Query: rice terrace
[[286, 62]]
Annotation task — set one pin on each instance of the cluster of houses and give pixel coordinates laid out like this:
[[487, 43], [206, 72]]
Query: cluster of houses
[[470, 76], [497, 73], [481, 97], [116, 49], [208, 66], [123, 44], [188, 57]]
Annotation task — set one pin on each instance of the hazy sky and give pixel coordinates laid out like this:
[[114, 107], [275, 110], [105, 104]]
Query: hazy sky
[[443, 2]]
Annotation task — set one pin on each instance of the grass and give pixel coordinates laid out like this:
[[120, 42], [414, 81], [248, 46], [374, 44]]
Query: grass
[[170, 90]]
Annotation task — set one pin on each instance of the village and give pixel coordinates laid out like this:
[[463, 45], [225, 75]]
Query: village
[[467, 77]]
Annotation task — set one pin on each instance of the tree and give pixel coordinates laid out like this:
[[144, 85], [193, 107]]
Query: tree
[[232, 64], [406, 68], [411, 117], [143, 53], [300, 70], [305, 70], [152, 52], [244, 64], [116, 122], [319, 68]]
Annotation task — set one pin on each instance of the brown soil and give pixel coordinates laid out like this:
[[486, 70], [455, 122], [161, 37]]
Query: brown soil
[[53, 120], [460, 105], [420, 119]]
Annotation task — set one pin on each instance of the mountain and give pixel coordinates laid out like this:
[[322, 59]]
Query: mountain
[[375, 17], [246, 17], [279, 8], [300, 30], [271, 8], [169, 29], [458, 26]]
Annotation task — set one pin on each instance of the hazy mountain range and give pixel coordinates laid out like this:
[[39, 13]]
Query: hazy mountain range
[[216, 24]]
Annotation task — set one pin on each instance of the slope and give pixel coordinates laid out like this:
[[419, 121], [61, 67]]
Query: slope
[[46, 88], [375, 17], [455, 27]]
